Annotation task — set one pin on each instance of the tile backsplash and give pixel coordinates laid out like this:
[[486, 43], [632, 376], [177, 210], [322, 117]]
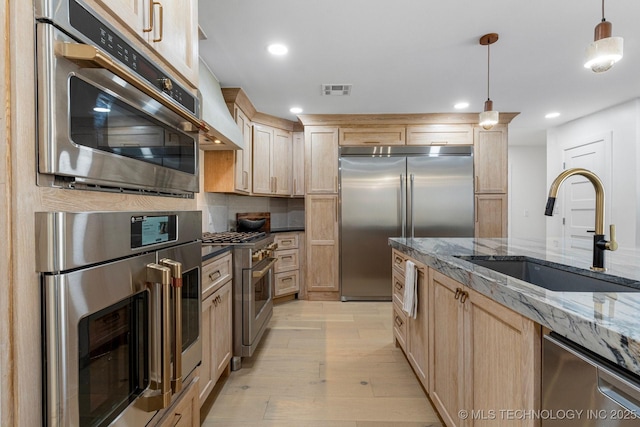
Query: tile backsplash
[[219, 210]]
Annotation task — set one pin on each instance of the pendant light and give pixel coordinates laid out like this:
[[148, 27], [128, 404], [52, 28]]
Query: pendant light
[[488, 118], [605, 50]]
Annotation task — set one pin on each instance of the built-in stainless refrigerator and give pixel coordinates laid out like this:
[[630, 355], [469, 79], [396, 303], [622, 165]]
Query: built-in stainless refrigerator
[[398, 191]]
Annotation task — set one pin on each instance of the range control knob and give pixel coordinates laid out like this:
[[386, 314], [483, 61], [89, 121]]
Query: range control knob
[[166, 84]]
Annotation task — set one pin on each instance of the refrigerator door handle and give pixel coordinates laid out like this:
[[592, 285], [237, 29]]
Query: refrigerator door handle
[[411, 202], [403, 207]]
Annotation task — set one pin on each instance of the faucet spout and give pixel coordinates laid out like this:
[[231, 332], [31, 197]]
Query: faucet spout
[[599, 242]]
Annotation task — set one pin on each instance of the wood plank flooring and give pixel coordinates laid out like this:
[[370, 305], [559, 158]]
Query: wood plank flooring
[[324, 364]]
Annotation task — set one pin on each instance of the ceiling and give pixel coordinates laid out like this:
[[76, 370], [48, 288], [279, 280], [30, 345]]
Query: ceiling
[[411, 56]]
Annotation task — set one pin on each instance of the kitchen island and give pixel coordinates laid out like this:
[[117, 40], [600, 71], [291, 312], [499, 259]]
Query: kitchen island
[[606, 323]]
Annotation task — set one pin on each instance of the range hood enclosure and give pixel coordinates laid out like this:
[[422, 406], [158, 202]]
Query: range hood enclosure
[[216, 114]]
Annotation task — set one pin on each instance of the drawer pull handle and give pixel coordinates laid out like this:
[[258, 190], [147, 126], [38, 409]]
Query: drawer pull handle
[[398, 260], [215, 275], [458, 293], [399, 286], [463, 296], [287, 279], [399, 321]]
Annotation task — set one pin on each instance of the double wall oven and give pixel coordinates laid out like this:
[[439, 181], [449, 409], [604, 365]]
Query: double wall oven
[[121, 313], [253, 264], [108, 117]]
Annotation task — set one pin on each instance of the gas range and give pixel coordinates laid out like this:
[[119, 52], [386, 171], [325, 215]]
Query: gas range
[[231, 237]]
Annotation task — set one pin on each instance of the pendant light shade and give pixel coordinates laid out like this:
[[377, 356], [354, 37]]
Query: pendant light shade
[[488, 118], [605, 50]]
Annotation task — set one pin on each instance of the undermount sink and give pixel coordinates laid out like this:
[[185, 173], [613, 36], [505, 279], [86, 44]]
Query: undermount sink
[[554, 277]]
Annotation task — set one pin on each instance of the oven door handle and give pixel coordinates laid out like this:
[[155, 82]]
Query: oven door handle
[[92, 57], [159, 283], [256, 274], [176, 291]]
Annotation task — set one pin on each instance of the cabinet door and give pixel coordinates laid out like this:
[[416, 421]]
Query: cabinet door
[[175, 35], [491, 215], [490, 159], [207, 335], [321, 159], [418, 341], [456, 134], [286, 283], [282, 158], [384, 135], [221, 326], [298, 164], [321, 219], [262, 176], [446, 357], [502, 360], [185, 412], [243, 157]]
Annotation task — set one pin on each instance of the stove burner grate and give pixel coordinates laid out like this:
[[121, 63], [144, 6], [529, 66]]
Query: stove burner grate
[[232, 237]]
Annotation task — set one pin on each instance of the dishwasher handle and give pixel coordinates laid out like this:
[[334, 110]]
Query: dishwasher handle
[[619, 389]]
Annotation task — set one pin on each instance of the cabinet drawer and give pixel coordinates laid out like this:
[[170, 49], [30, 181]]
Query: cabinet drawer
[[400, 326], [455, 134], [398, 261], [287, 260], [397, 283], [286, 240], [388, 135], [215, 273], [286, 283]]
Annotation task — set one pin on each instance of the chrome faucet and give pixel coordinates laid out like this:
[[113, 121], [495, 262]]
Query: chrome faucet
[[599, 242]]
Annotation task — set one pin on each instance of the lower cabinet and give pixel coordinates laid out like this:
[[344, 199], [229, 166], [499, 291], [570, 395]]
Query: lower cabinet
[[216, 328], [469, 352], [484, 357], [287, 269], [184, 412]]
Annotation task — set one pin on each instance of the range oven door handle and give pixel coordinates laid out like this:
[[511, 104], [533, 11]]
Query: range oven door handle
[[256, 274], [92, 57], [159, 394], [176, 292]]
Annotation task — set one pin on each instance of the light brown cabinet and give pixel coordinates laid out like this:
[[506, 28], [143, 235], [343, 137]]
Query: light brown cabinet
[[412, 335], [382, 135], [170, 27], [321, 230], [185, 412], [321, 159], [491, 215], [216, 322], [490, 164], [272, 161], [242, 168], [298, 164], [482, 355], [287, 268], [440, 134]]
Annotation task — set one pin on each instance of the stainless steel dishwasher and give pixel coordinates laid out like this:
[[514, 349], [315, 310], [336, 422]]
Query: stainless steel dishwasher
[[581, 389]]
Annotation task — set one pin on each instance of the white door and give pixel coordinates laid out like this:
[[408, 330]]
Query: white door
[[578, 193]]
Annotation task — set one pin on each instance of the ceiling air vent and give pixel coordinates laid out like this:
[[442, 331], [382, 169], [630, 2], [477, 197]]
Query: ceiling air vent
[[336, 90]]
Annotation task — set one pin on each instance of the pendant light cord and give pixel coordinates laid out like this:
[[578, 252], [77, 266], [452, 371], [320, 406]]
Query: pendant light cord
[[603, 11], [488, 68]]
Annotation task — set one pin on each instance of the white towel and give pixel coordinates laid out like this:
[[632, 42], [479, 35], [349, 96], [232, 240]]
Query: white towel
[[410, 302]]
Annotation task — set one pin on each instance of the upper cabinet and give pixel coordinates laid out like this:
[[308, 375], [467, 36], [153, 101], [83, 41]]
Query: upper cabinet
[[436, 134], [169, 27], [381, 135], [321, 159], [490, 159], [298, 163]]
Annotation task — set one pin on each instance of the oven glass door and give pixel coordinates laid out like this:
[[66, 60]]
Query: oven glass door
[[103, 122], [113, 354], [257, 299]]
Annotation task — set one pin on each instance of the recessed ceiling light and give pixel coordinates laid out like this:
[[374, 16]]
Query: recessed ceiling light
[[461, 105], [295, 110], [277, 49], [552, 115]]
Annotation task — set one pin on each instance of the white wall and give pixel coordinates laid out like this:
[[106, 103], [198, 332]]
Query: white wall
[[622, 123], [527, 191]]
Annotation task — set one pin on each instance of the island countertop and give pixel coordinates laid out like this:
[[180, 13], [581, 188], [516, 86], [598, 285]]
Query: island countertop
[[606, 323]]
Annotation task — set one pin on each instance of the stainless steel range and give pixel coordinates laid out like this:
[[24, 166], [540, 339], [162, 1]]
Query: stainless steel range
[[253, 263]]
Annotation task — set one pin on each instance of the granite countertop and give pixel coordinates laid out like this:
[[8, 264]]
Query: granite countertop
[[606, 323]]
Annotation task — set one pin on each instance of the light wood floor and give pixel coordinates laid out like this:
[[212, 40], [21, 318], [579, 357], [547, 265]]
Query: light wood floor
[[324, 364]]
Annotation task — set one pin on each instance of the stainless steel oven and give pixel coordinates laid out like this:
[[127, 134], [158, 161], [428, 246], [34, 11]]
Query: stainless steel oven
[[253, 265], [108, 117], [121, 313]]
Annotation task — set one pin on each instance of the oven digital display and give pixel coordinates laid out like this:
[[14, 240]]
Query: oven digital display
[[151, 230]]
